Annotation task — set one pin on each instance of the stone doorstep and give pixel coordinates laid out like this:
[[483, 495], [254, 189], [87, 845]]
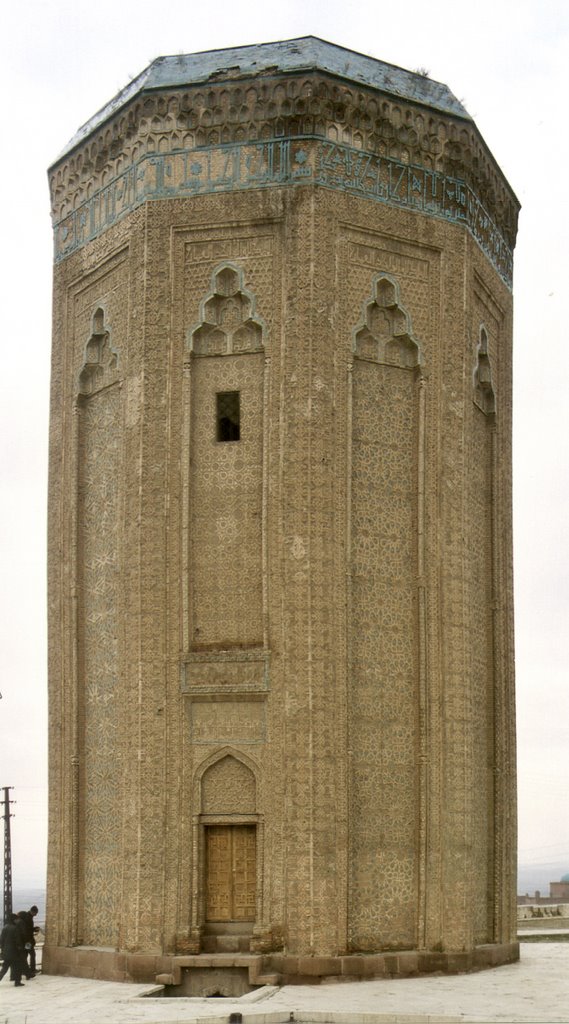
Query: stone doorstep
[[226, 943], [228, 928], [217, 960]]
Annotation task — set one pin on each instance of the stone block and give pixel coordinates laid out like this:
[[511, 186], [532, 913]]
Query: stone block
[[458, 963], [353, 965], [431, 963], [209, 944], [84, 971], [319, 966], [142, 968], [407, 963]]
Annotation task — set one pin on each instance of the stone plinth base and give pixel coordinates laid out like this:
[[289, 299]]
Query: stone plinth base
[[275, 969]]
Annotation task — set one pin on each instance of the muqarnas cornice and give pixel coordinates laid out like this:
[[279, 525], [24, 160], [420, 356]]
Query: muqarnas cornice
[[283, 114]]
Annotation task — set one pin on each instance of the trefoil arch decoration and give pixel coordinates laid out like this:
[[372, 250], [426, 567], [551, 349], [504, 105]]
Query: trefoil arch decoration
[[228, 323], [384, 333], [484, 396], [101, 361]]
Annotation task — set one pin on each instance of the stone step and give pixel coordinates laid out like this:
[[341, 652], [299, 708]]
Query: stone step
[[226, 944], [228, 928], [217, 960]]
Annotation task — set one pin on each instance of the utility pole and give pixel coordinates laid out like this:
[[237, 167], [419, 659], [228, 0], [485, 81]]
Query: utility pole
[[7, 856]]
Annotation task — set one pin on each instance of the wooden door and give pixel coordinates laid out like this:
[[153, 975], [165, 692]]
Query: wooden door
[[230, 872]]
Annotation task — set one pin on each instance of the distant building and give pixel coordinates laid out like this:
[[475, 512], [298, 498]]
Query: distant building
[[558, 893], [560, 890], [534, 899], [280, 569]]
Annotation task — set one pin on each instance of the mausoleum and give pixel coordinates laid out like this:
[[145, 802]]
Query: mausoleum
[[280, 554]]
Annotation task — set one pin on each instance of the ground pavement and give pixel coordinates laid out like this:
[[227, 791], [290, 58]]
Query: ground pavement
[[534, 990]]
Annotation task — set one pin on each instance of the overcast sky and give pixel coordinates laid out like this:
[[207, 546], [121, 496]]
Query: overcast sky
[[508, 63]]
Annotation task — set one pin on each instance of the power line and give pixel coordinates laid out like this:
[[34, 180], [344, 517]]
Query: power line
[[563, 845]]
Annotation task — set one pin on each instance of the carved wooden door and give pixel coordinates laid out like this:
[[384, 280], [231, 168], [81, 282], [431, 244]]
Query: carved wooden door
[[230, 872]]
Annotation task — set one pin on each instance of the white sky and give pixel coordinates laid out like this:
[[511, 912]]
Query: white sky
[[60, 61]]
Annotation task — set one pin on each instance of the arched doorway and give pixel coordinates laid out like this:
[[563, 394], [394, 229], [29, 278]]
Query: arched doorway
[[230, 855]]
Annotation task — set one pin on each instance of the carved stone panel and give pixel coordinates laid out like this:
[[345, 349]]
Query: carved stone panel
[[228, 721], [228, 787]]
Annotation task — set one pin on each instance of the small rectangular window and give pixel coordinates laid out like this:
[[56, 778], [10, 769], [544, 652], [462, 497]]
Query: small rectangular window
[[228, 420]]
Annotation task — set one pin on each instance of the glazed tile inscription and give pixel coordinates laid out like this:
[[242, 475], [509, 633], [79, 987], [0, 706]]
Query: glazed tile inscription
[[284, 162]]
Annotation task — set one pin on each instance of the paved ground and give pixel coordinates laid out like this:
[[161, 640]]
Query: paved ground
[[534, 990]]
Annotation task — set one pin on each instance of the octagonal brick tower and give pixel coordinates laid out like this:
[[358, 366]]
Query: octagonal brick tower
[[280, 553]]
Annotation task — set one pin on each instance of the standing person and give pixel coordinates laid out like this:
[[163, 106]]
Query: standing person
[[27, 919], [23, 925], [12, 950]]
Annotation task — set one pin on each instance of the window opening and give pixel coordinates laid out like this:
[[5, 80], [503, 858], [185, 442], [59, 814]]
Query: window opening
[[228, 419]]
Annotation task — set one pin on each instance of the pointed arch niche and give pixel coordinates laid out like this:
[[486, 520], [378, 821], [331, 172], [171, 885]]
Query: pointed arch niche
[[227, 830], [483, 633], [224, 575], [484, 396], [387, 652], [98, 526]]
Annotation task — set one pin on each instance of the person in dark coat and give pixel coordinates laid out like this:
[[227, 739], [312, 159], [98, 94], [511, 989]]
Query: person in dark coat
[[12, 950], [28, 935], [22, 925]]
